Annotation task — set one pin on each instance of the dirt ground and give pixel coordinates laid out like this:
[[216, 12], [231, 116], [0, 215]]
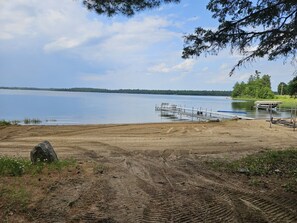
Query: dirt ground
[[149, 173]]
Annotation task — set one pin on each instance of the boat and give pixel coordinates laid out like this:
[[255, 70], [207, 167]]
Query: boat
[[267, 104]]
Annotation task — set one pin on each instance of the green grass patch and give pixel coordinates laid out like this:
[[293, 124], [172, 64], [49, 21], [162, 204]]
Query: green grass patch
[[283, 162], [287, 101], [14, 166], [14, 197], [262, 165]]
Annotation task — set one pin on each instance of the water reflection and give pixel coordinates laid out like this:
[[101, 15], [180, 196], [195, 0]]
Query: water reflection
[[243, 105]]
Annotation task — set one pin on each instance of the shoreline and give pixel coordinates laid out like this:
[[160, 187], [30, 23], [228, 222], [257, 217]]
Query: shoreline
[[193, 137]]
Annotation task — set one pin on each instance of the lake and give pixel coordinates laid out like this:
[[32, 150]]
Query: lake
[[53, 107]]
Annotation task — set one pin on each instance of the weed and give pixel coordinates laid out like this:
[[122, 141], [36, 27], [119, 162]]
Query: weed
[[28, 121], [15, 197], [59, 165], [99, 168], [12, 166], [281, 162], [291, 186], [4, 123]]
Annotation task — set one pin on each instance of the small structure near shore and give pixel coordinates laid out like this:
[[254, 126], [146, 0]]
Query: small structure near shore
[[267, 104]]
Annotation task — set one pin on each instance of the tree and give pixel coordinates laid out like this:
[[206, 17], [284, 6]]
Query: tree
[[253, 28], [125, 7], [238, 89], [256, 87], [282, 88], [292, 87], [266, 81]]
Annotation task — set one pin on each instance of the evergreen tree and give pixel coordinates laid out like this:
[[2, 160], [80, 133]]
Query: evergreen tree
[[282, 88], [256, 87], [292, 87]]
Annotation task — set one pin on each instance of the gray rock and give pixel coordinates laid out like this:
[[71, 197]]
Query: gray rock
[[243, 170], [43, 152]]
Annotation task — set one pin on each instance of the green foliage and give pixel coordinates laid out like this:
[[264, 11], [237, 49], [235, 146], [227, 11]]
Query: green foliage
[[28, 121], [283, 162], [255, 29], [287, 101], [129, 8], [13, 166], [292, 87], [4, 123], [282, 89], [256, 87]]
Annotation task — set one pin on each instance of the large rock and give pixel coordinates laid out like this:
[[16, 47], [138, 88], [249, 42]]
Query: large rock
[[43, 152]]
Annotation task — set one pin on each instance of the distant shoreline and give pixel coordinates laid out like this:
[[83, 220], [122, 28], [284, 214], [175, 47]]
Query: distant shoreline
[[130, 91]]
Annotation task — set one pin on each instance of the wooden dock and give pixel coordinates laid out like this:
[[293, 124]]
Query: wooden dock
[[171, 110]]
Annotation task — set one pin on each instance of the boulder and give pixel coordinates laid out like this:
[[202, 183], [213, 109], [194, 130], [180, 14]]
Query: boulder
[[43, 152]]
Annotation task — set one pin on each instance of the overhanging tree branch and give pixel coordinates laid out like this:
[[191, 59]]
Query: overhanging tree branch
[[267, 26]]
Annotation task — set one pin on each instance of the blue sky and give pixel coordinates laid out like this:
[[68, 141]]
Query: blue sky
[[61, 44]]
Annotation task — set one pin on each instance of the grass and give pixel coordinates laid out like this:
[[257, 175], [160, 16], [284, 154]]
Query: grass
[[28, 121], [287, 101], [281, 163], [15, 195], [99, 169], [18, 187], [14, 166], [269, 162], [4, 123]]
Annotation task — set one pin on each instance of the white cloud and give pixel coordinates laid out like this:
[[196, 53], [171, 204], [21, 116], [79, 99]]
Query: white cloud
[[193, 19], [224, 66], [185, 66], [204, 69], [65, 25], [62, 43]]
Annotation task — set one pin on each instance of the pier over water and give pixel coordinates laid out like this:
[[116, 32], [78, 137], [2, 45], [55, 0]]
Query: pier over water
[[179, 112]]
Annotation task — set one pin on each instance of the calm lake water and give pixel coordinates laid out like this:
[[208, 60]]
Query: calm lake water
[[53, 107]]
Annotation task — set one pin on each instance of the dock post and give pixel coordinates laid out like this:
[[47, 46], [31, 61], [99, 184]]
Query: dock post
[[294, 125], [270, 111]]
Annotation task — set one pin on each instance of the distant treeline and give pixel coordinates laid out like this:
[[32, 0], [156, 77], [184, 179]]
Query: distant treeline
[[129, 91]]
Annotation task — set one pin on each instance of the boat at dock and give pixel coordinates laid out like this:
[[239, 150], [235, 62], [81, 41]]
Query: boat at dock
[[267, 104]]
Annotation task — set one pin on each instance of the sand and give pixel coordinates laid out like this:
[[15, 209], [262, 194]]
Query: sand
[[148, 173]]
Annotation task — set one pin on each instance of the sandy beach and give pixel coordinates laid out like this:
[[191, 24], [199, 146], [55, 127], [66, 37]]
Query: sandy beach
[[75, 141], [150, 173]]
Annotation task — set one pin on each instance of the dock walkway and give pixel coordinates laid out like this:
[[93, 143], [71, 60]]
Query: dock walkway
[[167, 109]]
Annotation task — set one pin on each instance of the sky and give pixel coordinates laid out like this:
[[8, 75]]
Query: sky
[[60, 44]]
